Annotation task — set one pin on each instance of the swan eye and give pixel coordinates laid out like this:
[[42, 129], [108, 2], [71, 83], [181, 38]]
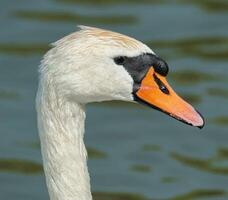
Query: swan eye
[[119, 60], [161, 68]]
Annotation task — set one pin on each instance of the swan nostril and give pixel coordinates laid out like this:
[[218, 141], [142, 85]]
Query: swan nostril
[[164, 90], [161, 85]]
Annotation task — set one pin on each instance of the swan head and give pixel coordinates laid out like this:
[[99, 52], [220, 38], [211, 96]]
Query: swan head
[[94, 65]]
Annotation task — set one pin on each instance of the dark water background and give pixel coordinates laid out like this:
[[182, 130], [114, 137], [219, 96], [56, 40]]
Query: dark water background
[[134, 153]]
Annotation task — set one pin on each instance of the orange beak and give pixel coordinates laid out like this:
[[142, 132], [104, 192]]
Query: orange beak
[[156, 92]]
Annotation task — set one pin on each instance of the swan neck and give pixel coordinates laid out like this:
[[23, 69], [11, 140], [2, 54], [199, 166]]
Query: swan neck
[[61, 131]]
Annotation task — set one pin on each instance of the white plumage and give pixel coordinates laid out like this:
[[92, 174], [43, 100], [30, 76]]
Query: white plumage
[[78, 69]]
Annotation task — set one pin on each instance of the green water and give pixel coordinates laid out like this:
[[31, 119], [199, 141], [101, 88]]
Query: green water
[[135, 153]]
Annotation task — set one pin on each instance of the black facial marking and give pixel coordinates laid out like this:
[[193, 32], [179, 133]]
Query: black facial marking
[[138, 66], [161, 85]]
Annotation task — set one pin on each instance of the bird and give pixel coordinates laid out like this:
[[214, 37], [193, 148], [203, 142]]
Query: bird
[[94, 65]]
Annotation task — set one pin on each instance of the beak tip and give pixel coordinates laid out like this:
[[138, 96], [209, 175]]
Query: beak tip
[[202, 120], [192, 118], [200, 127]]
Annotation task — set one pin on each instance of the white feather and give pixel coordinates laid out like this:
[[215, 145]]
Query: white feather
[[78, 69]]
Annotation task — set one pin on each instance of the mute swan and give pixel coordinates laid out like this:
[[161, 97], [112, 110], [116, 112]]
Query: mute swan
[[94, 65]]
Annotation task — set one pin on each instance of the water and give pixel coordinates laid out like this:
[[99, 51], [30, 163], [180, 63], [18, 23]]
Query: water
[[135, 153]]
